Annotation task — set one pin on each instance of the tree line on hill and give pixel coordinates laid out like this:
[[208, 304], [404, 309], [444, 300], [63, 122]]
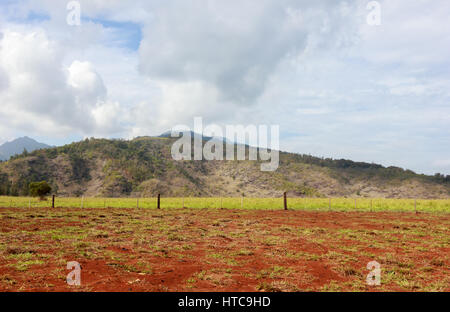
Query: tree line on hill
[[147, 158]]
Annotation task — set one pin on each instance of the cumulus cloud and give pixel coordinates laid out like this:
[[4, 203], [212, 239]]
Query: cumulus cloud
[[232, 46], [35, 83], [41, 91], [86, 83]]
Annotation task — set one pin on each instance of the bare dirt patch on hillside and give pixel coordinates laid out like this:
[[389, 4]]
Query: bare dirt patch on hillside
[[222, 250]]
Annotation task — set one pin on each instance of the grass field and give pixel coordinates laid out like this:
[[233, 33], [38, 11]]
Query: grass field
[[129, 249], [325, 204]]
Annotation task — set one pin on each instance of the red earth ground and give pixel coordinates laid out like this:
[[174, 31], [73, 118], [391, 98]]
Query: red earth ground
[[222, 250]]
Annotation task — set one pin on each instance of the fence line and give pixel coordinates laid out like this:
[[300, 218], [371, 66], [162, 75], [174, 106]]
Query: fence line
[[280, 203]]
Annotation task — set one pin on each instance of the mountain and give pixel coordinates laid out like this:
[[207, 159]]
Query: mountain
[[18, 146], [144, 167]]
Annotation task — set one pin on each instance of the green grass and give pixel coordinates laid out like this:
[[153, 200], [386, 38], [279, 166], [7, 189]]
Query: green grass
[[25, 265], [323, 204]]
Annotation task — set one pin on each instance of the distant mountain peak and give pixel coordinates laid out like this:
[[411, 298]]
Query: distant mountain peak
[[168, 134], [18, 145]]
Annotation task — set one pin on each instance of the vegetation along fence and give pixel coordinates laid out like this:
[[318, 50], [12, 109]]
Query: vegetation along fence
[[319, 204]]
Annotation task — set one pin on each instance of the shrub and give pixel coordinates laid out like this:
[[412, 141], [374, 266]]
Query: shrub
[[40, 189]]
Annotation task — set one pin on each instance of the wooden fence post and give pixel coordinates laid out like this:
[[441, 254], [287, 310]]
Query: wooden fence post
[[159, 201], [53, 201], [82, 199], [415, 205], [285, 200]]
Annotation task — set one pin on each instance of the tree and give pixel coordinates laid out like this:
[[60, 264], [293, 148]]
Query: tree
[[40, 189]]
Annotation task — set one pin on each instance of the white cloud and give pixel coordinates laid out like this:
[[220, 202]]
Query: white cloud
[[234, 46], [86, 83], [42, 92]]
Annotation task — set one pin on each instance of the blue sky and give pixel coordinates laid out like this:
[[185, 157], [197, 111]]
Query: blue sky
[[337, 86], [126, 35]]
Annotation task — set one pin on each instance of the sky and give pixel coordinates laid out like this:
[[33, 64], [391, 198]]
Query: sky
[[336, 84]]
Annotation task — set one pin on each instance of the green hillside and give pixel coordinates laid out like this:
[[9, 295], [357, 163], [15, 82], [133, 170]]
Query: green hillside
[[144, 167]]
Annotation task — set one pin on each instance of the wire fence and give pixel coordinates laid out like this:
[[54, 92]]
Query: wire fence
[[317, 204]]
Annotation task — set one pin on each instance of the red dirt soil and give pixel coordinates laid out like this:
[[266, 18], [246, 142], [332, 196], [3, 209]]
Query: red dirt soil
[[222, 250]]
